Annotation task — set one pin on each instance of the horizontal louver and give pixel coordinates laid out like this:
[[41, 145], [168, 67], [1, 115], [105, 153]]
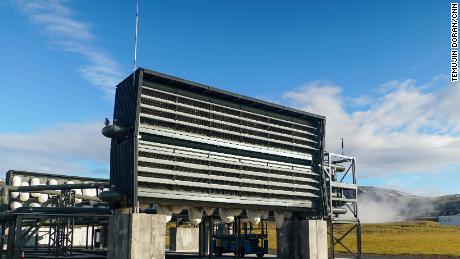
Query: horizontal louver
[[193, 144]]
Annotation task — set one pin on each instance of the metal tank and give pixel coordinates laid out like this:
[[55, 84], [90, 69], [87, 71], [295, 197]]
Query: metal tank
[[179, 142]]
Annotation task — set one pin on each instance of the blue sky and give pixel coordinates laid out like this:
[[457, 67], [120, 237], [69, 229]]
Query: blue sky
[[377, 70]]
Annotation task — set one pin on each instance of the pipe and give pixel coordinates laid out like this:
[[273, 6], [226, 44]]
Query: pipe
[[57, 187], [68, 210], [111, 196], [339, 168], [115, 131], [78, 196], [337, 211]]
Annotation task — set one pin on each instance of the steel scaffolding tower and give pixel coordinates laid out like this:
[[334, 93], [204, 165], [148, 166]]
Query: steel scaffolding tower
[[342, 201], [61, 228]]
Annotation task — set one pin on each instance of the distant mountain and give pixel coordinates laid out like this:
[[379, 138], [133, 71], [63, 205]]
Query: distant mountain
[[448, 204], [386, 205]]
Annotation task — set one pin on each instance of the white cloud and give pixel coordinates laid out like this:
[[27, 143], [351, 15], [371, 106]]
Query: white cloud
[[75, 149], [407, 129], [66, 33]]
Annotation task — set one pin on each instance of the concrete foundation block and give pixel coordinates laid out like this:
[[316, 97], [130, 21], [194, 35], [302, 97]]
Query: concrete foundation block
[[184, 239], [137, 235], [302, 239]]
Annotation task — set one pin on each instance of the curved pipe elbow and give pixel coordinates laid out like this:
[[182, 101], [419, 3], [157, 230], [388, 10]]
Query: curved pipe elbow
[[115, 131]]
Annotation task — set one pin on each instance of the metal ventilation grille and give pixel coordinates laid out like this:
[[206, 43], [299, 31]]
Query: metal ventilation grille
[[173, 170], [174, 115]]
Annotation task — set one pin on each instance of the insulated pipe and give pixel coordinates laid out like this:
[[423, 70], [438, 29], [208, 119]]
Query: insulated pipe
[[15, 205], [52, 182], [78, 192], [24, 196], [78, 196], [73, 211], [339, 211], [6, 189], [34, 205], [339, 168], [58, 187], [115, 131], [16, 182], [111, 196], [89, 192], [35, 181], [43, 197]]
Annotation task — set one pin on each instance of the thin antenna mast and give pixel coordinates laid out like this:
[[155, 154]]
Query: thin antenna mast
[[135, 40], [342, 146]]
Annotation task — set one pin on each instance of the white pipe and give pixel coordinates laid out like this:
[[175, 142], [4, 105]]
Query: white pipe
[[34, 205], [43, 198], [24, 196], [14, 205], [35, 181], [16, 182]]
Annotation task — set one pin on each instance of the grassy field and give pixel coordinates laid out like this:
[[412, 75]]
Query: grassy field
[[404, 238], [409, 238]]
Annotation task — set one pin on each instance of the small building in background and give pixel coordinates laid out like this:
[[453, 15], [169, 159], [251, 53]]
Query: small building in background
[[450, 220]]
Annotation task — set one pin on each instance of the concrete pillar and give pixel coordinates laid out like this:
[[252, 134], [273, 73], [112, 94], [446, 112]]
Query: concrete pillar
[[183, 239], [137, 235], [302, 239]]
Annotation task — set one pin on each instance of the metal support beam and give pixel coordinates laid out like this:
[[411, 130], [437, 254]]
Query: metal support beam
[[11, 238], [238, 236], [201, 239], [342, 198]]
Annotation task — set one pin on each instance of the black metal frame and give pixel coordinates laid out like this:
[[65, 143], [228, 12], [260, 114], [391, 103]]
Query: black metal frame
[[61, 218], [61, 229]]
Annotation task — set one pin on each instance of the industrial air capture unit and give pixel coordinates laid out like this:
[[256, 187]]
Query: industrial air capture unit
[[180, 142]]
